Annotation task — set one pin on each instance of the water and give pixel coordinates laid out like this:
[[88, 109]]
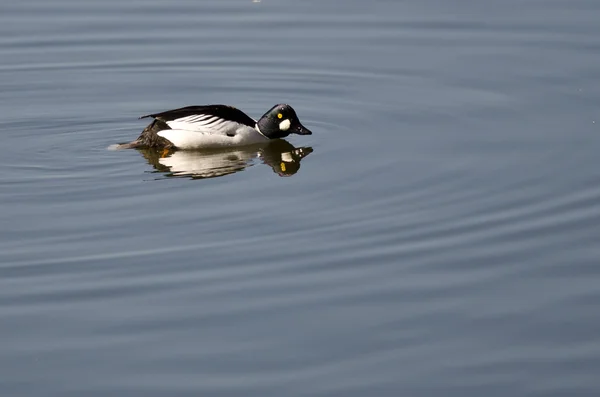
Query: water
[[440, 237]]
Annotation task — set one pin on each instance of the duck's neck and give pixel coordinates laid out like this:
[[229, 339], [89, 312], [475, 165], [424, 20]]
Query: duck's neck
[[257, 128], [269, 129]]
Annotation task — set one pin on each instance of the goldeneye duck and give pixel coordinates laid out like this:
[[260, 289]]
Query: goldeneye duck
[[212, 126]]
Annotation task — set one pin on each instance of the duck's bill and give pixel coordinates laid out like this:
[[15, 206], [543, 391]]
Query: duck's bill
[[301, 130]]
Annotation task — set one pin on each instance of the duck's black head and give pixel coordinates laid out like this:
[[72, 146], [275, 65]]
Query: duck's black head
[[281, 121]]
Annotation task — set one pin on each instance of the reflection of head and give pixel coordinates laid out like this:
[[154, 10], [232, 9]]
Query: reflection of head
[[283, 157]]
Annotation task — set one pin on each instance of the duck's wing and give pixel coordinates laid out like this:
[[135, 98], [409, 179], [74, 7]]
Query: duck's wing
[[206, 119]]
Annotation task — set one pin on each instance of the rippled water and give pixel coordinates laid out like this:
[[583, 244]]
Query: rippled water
[[439, 238]]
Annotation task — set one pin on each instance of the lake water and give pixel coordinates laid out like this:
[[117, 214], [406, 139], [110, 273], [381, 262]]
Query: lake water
[[440, 238]]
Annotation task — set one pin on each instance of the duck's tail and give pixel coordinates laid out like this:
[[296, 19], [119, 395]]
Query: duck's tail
[[149, 138], [131, 145]]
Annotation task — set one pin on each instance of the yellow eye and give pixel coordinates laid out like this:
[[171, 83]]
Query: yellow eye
[[282, 166], [279, 115]]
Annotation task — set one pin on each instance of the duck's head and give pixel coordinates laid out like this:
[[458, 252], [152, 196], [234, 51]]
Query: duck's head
[[281, 121]]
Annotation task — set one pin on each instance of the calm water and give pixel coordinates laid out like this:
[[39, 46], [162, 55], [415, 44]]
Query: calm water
[[440, 237]]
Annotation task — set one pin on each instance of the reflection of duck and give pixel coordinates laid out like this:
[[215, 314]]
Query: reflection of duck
[[215, 126], [279, 154]]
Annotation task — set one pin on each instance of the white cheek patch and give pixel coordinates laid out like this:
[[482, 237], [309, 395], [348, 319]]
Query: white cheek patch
[[287, 157], [284, 125]]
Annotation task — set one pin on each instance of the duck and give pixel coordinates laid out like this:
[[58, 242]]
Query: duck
[[215, 126]]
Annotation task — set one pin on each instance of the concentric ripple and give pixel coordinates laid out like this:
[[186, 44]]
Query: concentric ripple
[[440, 237]]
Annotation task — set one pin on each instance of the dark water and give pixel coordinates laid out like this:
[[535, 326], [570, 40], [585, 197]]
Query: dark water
[[439, 239]]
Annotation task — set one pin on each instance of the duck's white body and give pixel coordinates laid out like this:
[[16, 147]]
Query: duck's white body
[[185, 139], [195, 132]]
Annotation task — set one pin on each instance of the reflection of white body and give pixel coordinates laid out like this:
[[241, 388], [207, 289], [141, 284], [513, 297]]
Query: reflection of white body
[[207, 164], [283, 158]]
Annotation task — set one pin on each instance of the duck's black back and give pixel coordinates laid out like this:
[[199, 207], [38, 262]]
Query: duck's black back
[[220, 111]]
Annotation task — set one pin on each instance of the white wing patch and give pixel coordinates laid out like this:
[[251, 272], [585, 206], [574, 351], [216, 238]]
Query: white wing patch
[[204, 123]]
